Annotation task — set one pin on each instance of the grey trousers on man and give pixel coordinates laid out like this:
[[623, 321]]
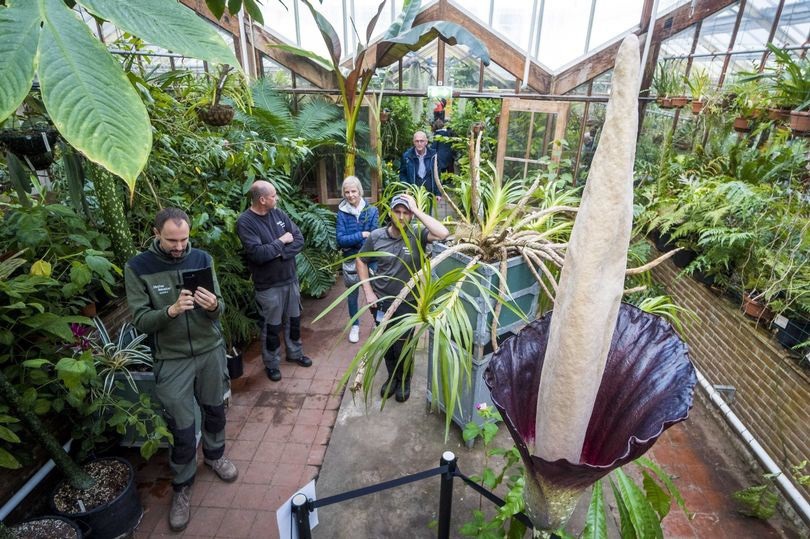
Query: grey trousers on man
[[280, 308], [180, 385]]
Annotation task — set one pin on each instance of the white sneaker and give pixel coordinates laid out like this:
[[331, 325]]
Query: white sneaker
[[354, 334]]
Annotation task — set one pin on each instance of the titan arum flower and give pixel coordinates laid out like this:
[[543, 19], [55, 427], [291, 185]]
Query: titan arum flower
[[592, 386]]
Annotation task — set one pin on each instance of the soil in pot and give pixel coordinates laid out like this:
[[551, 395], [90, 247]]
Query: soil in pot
[[111, 507], [43, 527]]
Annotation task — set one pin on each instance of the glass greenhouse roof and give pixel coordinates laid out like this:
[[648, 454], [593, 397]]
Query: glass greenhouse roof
[[568, 29]]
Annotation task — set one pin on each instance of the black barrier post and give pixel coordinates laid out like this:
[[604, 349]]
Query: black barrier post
[[446, 494], [300, 508]]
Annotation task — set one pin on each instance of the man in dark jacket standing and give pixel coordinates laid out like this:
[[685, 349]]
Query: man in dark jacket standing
[[188, 350], [271, 242], [418, 165]]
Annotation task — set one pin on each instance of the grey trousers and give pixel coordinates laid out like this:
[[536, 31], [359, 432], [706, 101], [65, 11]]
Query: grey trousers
[[180, 385], [280, 308]]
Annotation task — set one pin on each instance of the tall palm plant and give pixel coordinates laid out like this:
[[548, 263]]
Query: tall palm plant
[[400, 38]]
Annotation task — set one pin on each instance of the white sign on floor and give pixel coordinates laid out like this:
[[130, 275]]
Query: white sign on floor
[[287, 527]]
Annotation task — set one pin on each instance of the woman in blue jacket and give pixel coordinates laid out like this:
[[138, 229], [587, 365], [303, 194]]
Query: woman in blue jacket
[[355, 221]]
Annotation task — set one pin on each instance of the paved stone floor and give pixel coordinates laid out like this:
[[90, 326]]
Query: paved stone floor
[[278, 435]]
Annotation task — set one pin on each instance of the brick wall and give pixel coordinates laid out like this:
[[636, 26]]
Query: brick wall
[[773, 392]]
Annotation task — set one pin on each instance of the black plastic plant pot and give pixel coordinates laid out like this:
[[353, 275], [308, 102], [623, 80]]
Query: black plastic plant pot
[[48, 526], [29, 142], [684, 258], [114, 518], [793, 333], [235, 366]]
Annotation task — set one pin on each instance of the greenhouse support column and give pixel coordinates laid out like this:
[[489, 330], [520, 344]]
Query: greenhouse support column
[[446, 493]]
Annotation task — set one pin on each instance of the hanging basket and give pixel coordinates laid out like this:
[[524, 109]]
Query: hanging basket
[[697, 107], [22, 142], [217, 115]]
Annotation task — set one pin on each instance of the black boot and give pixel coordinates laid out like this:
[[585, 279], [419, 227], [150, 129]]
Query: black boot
[[392, 381], [403, 390]]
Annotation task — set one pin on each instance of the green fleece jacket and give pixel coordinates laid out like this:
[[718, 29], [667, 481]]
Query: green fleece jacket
[[153, 280]]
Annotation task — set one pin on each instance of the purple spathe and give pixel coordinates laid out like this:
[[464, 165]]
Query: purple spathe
[[647, 387]]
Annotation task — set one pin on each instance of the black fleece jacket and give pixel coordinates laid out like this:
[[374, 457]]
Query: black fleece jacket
[[270, 261]]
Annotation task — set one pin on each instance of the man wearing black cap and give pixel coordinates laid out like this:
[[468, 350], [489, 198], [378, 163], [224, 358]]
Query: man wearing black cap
[[401, 241]]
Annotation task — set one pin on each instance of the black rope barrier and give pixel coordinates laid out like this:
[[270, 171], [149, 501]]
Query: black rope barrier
[[448, 469]]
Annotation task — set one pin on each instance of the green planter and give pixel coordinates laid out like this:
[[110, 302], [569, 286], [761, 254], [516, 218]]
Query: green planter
[[520, 282], [473, 393]]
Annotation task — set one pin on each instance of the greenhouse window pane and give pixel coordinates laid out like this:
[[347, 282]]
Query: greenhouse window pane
[[462, 70], [794, 24], [497, 78], [678, 45], [363, 11], [743, 63], [562, 37], [311, 38], [665, 6], [512, 20], [715, 34], [419, 68], [756, 23], [602, 83], [611, 20], [280, 20], [477, 8], [278, 75]]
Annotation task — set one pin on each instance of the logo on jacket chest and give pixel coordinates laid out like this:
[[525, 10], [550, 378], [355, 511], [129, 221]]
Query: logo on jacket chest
[[161, 289]]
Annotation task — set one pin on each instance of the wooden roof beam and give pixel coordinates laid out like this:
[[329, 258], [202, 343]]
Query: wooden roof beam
[[665, 27], [506, 56]]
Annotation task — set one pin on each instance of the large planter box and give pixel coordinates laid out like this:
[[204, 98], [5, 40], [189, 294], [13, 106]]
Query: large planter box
[[471, 394], [521, 285]]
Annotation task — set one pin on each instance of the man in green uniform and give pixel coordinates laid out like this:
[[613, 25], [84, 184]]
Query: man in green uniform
[[188, 350]]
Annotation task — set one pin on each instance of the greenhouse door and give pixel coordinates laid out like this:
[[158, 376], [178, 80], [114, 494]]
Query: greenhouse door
[[529, 131]]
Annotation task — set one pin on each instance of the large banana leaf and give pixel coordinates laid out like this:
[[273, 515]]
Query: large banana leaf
[[389, 50], [89, 98], [404, 22], [317, 58], [19, 26], [168, 24]]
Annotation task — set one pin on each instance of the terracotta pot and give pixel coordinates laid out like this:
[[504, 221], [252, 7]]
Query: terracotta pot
[[217, 115], [90, 310], [697, 106], [680, 101], [800, 121], [753, 308], [779, 115], [664, 102], [742, 125]]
